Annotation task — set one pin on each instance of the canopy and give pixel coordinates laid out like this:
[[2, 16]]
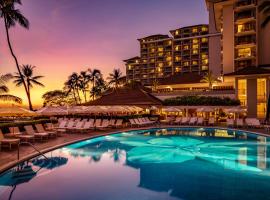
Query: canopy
[[15, 111], [235, 110], [50, 111], [205, 109], [171, 109]]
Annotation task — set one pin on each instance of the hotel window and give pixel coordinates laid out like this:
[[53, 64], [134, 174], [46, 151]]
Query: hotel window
[[169, 42], [176, 32], [160, 54], [195, 46], [194, 30], [186, 64], [240, 28], [129, 67], [246, 52], [204, 29], [177, 58], [205, 61], [261, 97], [152, 50], [169, 58], [204, 40], [160, 64], [137, 61], [177, 48], [186, 47], [204, 68], [242, 91], [170, 63], [152, 60], [160, 49], [195, 51], [144, 61], [194, 62], [204, 56], [195, 41], [177, 69]]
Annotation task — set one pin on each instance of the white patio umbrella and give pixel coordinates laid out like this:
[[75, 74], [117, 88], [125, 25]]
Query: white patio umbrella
[[235, 110], [171, 109], [51, 111], [15, 111], [95, 109], [205, 109]]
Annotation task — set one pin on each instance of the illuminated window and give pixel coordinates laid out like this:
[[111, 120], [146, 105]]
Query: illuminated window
[[194, 62], [240, 28], [195, 46], [177, 69], [176, 32], [170, 63], [261, 97], [186, 64], [194, 30], [204, 29], [129, 67], [160, 54], [152, 60], [186, 47], [169, 42], [152, 50], [160, 49], [246, 52], [205, 61], [145, 76], [204, 67], [160, 64], [177, 48], [195, 51], [242, 91], [195, 41], [137, 61], [177, 58], [144, 61], [204, 56], [169, 58], [204, 40]]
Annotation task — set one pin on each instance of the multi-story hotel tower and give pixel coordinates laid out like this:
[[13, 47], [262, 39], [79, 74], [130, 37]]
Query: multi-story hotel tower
[[163, 56]]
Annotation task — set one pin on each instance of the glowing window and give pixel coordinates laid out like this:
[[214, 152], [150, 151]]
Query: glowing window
[[246, 52], [204, 29], [160, 64], [242, 91], [205, 61], [176, 32], [177, 69], [204, 56], [194, 30], [204, 67], [129, 67], [160, 49], [169, 58], [195, 51], [186, 63], [194, 62], [177, 58], [186, 47], [204, 40], [177, 48], [195, 41], [195, 46]]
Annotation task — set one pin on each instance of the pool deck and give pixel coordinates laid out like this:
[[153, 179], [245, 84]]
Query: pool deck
[[8, 158]]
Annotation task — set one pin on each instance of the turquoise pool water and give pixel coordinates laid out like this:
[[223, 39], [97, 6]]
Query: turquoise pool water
[[171, 164]]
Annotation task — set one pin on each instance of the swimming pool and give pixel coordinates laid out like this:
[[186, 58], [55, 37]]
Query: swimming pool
[[171, 164]]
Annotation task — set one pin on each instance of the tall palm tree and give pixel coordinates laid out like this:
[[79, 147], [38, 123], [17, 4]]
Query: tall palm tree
[[115, 78], [73, 85], [30, 80], [210, 79], [84, 83], [100, 86], [70, 89], [4, 90], [264, 8], [95, 75], [11, 16]]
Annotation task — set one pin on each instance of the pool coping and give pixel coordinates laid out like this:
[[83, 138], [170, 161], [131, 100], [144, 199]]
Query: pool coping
[[46, 150]]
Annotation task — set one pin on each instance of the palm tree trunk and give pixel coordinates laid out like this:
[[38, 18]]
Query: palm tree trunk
[[29, 96], [74, 95], [15, 58], [84, 94], [94, 87]]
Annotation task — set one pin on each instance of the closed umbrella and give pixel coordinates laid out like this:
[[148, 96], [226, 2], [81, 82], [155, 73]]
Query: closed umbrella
[[15, 111], [205, 109], [51, 111], [171, 109]]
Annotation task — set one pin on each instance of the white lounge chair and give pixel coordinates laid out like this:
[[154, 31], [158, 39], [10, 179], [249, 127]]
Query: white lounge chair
[[211, 121], [119, 123], [200, 121], [193, 120], [105, 124], [253, 123], [7, 142], [230, 122], [40, 129], [133, 123], [185, 120], [178, 120], [41, 136], [239, 122], [15, 132]]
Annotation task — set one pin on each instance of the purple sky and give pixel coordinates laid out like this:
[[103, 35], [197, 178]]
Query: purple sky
[[73, 35]]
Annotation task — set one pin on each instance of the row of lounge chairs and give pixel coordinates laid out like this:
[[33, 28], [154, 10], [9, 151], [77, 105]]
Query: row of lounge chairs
[[189, 121], [143, 121], [248, 122]]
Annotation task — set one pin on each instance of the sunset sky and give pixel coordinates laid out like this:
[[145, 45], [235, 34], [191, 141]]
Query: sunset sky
[[68, 36]]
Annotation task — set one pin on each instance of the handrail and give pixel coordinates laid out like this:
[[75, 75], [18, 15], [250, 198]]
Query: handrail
[[18, 153]]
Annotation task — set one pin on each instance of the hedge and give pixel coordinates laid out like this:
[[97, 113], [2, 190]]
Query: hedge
[[201, 101]]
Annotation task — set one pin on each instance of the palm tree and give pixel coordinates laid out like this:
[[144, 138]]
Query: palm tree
[[70, 88], [30, 80], [100, 86], [210, 79], [73, 84], [264, 8], [115, 78], [4, 90], [54, 97], [84, 83], [11, 16], [95, 75]]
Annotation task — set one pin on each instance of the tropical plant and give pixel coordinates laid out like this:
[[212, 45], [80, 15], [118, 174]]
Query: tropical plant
[[264, 8], [210, 79], [4, 96], [73, 85], [115, 78], [30, 80], [11, 16], [84, 80], [99, 88], [56, 98], [95, 77]]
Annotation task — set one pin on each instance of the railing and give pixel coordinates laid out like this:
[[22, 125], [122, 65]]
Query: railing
[[18, 153]]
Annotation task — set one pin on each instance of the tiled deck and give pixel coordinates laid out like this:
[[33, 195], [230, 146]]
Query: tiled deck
[[9, 158]]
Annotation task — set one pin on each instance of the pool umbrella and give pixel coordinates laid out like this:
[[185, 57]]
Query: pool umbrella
[[50, 163], [76, 109], [234, 110], [51, 111], [205, 109], [171, 109], [15, 111]]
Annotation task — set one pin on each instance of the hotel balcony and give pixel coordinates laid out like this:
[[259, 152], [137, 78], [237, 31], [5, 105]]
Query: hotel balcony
[[245, 44], [244, 5], [244, 18]]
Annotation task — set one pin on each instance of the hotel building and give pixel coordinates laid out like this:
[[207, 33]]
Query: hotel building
[[245, 47], [163, 56]]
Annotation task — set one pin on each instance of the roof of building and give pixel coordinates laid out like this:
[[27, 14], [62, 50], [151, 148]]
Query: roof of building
[[191, 26], [185, 78], [137, 95], [132, 59], [156, 36], [252, 70]]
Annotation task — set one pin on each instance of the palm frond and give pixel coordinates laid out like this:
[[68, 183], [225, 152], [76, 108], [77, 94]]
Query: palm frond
[[9, 97], [37, 83], [3, 89]]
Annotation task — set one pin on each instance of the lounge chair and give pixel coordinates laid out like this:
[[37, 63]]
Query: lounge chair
[[7, 142], [133, 123], [105, 124], [193, 120], [138, 122], [112, 122], [78, 125], [142, 122], [98, 122], [40, 129], [185, 120], [15, 132], [119, 123], [30, 131], [149, 121], [253, 123], [211, 121], [230, 122], [168, 120], [239, 122], [178, 120], [200, 121]]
